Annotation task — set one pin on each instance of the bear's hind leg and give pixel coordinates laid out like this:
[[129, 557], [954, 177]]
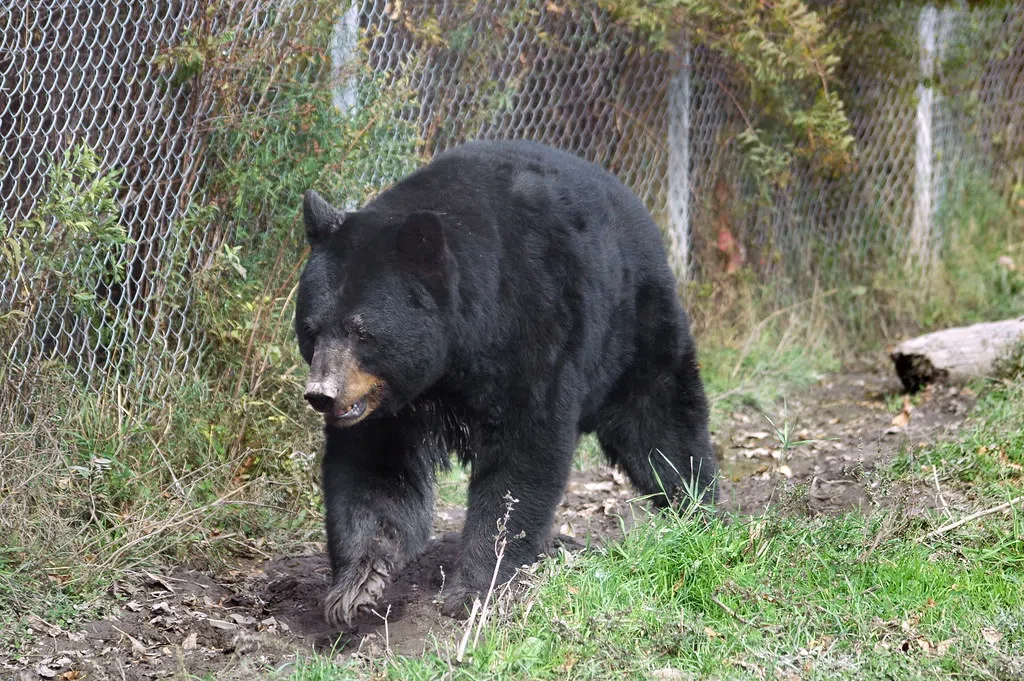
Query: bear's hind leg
[[378, 487], [655, 425]]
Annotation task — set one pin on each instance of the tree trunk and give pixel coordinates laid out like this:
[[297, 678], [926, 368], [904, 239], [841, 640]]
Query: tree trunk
[[955, 355]]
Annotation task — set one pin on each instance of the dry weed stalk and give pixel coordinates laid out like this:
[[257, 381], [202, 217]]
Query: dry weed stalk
[[484, 609]]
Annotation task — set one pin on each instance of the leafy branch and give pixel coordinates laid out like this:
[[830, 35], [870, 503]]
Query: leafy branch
[[783, 58]]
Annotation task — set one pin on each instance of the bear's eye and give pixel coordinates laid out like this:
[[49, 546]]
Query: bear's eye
[[355, 327]]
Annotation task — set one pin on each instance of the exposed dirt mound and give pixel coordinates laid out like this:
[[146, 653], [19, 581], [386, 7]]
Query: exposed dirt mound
[[258, 617]]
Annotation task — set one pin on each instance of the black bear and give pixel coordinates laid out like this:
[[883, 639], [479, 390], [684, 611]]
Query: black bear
[[496, 303]]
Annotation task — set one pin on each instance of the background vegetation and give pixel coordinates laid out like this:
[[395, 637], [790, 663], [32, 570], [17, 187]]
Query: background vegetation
[[98, 482]]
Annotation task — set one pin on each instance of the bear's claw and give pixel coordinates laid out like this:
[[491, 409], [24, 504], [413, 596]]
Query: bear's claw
[[347, 598], [458, 602]]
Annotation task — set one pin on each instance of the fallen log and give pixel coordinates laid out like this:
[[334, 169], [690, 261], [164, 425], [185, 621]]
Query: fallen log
[[955, 356]]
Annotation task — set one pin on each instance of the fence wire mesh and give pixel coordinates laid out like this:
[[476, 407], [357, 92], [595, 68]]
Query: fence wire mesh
[[86, 72]]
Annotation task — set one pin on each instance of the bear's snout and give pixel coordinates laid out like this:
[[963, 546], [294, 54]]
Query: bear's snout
[[339, 388]]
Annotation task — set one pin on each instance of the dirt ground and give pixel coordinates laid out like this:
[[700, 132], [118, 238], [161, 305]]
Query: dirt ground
[[254, 620]]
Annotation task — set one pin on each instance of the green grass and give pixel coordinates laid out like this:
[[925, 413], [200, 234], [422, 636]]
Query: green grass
[[776, 597], [989, 459], [757, 368], [90, 489]]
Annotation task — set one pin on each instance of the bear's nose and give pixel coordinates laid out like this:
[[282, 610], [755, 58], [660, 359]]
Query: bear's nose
[[319, 401]]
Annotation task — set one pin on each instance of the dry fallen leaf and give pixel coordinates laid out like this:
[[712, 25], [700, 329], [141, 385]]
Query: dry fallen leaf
[[711, 632], [901, 420], [190, 642], [992, 635], [1005, 460], [221, 624], [786, 471], [755, 670], [155, 579]]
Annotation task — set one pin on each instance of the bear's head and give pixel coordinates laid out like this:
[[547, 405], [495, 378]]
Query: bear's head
[[369, 315]]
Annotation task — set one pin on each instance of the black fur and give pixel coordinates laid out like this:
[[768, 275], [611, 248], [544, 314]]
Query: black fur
[[509, 297]]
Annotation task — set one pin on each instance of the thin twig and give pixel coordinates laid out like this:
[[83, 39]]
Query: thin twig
[[974, 516], [938, 490], [185, 518], [736, 102], [387, 633], [156, 447], [469, 629], [490, 590], [730, 611]]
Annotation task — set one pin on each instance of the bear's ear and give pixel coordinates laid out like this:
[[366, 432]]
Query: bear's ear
[[421, 240], [321, 218]]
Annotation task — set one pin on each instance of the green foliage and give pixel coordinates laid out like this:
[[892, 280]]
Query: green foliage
[[275, 133], [71, 245], [975, 275], [784, 58], [224, 460]]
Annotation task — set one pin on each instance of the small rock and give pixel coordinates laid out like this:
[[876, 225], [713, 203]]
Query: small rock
[[669, 674]]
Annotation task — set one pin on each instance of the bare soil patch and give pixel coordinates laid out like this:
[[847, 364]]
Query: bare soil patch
[[255, 619]]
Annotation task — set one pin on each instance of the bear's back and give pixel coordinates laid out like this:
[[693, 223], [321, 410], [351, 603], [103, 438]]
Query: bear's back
[[521, 188]]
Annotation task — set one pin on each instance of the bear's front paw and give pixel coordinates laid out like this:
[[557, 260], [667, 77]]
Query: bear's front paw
[[358, 591]]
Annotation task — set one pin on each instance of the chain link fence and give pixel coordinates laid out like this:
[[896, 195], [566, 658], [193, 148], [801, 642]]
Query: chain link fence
[[106, 301]]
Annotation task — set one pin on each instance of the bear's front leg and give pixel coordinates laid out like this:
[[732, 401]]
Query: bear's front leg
[[517, 480], [378, 491]]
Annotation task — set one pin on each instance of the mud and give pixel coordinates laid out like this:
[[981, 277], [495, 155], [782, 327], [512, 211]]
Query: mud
[[256, 619]]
